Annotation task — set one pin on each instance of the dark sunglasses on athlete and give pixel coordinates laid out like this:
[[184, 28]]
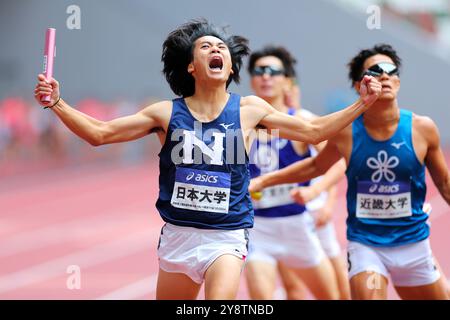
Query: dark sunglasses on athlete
[[377, 70], [270, 70]]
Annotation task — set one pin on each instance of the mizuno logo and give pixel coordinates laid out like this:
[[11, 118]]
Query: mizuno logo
[[226, 126], [397, 145]]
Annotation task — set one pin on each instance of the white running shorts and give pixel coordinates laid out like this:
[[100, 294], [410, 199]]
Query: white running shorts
[[408, 265], [328, 240], [191, 250], [292, 240]]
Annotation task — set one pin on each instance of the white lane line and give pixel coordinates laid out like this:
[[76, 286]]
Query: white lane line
[[92, 256], [134, 290]]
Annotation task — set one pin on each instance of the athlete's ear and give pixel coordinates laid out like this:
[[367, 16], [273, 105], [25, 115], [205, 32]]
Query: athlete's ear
[[190, 67], [231, 71]]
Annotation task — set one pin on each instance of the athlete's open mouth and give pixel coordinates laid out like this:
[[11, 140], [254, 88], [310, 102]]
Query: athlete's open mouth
[[216, 63]]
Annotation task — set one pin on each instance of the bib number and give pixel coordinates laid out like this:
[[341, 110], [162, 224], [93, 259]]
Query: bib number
[[201, 190], [275, 196], [384, 200]]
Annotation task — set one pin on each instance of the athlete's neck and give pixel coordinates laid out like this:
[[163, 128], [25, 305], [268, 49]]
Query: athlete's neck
[[207, 104], [382, 113]]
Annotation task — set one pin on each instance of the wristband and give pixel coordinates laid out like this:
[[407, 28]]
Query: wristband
[[49, 107]]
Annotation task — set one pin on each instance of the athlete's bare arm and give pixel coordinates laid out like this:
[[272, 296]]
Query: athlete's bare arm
[[98, 132], [434, 158], [304, 194], [300, 171], [328, 182], [319, 129]]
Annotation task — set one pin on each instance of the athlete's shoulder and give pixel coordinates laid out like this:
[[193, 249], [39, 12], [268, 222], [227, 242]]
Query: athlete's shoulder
[[423, 121], [158, 110], [256, 106], [426, 127], [158, 106], [252, 100]]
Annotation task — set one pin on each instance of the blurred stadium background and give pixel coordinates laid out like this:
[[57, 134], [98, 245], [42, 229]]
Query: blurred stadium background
[[65, 203]]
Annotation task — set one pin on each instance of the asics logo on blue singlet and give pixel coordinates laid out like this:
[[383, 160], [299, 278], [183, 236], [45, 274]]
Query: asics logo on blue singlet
[[190, 176], [206, 178], [382, 165], [384, 188], [202, 177]]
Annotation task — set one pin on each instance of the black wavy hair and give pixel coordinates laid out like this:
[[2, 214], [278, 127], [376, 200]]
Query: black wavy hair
[[356, 65], [277, 51], [178, 49]]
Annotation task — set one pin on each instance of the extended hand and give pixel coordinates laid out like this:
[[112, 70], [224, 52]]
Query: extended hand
[[370, 90], [44, 88], [255, 185]]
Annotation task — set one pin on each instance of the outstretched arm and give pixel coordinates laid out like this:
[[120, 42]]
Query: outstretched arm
[[434, 159], [328, 182], [303, 195], [322, 128], [94, 131], [300, 171]]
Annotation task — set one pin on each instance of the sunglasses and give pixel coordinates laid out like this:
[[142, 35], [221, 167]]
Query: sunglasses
[[377, 70], [270, 70]]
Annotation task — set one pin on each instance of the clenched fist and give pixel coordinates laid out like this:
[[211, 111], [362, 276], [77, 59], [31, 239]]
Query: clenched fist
[[369, 90], [255, 185]]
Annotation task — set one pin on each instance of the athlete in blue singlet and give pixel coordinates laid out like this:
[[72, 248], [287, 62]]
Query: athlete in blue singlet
[[284, 236], [386, 187], [205, 137], [386, 150]]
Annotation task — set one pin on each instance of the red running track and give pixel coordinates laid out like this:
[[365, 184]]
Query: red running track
[[102, 220]]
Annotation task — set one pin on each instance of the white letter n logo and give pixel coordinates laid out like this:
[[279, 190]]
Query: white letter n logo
[[215, 153]]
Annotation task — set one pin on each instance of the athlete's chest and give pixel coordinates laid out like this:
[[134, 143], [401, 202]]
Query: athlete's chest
[[387, 161]]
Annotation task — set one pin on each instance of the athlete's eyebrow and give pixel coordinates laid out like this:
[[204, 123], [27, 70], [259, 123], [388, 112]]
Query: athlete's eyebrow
[[210, 43]]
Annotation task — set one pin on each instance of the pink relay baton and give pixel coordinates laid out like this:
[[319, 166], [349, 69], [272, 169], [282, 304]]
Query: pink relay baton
[[49, 57]]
